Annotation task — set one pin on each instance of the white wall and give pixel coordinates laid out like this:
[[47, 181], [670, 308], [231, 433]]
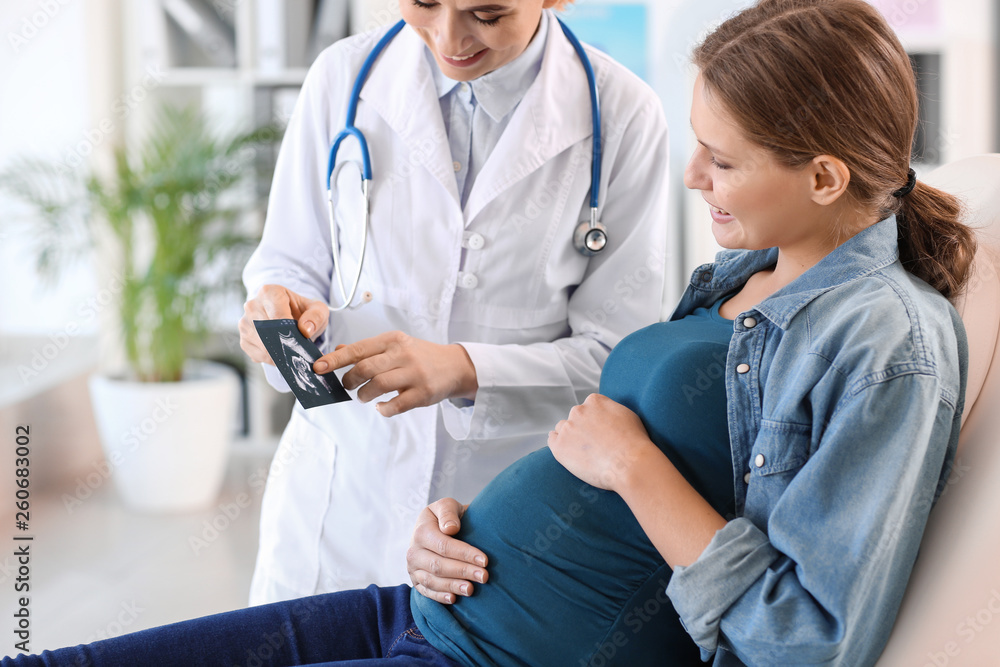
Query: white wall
[[44, 110]]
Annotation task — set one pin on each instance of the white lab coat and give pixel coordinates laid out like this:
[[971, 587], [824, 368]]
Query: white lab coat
[[537, 318]]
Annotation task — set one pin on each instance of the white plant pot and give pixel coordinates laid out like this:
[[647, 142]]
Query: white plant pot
[[166, 443]]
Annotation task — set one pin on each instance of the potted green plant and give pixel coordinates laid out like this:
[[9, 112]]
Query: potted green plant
[[173, 206]]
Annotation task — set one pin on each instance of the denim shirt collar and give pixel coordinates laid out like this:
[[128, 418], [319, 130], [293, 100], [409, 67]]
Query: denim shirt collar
[[869, 250]]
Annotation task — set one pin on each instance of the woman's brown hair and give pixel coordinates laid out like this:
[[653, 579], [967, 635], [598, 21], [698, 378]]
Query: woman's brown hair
[[811, 77]]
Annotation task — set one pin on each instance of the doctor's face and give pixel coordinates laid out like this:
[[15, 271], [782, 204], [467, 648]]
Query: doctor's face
[[470, 38]]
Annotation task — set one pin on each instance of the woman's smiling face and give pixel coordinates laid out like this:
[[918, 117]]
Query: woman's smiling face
[[755, 202], [470, 38]]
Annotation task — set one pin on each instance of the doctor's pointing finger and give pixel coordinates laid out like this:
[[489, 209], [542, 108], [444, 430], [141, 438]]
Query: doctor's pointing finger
[[423, 373]]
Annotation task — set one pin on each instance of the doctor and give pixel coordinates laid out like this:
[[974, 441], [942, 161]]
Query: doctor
[[477, 323]]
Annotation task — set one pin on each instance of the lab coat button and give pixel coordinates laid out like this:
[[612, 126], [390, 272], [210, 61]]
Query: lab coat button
[[746, 478], [473, 241], [758, 461], [468, 280], [457, 165], [743, 368], [749, 323]]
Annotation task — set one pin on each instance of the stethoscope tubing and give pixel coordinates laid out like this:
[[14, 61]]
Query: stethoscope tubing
[[350, 130], [595, 111], [352, 109], [366, 173]]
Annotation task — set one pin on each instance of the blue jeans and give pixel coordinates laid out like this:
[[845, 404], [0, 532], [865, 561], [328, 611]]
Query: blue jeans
[[361, 628]]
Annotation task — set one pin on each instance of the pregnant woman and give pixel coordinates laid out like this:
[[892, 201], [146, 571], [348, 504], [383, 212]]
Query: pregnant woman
[[766, 459]]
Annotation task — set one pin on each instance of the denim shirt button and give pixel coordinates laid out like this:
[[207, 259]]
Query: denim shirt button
[[706, 276], [746, 478], [749, 323], [758, 461], [743, 368]]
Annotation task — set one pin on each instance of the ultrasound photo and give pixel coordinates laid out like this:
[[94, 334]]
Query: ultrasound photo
[[294, 355]]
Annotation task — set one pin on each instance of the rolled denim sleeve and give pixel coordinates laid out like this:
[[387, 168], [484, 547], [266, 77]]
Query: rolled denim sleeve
[[734, 560], [822, 581]]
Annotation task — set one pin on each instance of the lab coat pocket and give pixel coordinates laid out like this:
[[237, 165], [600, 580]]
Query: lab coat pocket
[[778, 453], [295, 501]]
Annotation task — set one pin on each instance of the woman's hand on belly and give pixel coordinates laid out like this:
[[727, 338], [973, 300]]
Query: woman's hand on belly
[[440, 566], [606, 445], [600, 441]]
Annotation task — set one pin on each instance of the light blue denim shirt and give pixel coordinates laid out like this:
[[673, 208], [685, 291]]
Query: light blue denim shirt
[[844, 393]]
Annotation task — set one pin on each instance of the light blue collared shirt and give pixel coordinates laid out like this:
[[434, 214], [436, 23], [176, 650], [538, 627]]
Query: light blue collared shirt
[[845, 391], [476, 113]]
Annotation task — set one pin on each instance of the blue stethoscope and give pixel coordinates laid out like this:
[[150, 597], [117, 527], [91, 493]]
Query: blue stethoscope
[[590, 236]]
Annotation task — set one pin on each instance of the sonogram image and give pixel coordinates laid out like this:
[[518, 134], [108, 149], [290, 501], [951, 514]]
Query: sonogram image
[[302, 372], [294, 355]]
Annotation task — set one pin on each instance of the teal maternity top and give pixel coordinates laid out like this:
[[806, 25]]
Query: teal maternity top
[[573, 578]]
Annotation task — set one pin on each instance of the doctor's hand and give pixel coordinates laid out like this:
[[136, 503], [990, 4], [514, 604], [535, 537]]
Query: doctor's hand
[[423, 373], [440, 566], [274, 302], [600, 442]]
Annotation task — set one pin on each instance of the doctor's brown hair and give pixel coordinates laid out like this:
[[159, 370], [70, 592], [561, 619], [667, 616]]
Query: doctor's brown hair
[[803, 78]]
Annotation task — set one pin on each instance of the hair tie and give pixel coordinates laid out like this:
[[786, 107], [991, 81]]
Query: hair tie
[[911, 182]]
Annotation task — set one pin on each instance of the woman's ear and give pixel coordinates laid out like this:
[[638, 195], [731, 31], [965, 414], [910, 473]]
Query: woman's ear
[[829, 178]]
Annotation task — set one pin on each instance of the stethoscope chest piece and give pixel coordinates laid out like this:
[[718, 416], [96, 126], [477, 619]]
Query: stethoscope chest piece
[[590, 238]]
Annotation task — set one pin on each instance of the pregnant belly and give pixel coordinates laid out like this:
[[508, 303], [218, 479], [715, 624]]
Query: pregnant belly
[[572, 575]]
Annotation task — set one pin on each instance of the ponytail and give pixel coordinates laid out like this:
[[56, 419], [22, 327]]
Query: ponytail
[[934, 244], [789, 72]]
